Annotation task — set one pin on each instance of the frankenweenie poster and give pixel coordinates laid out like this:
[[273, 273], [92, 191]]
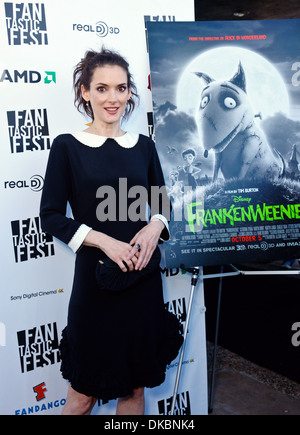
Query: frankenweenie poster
[[226, 99]]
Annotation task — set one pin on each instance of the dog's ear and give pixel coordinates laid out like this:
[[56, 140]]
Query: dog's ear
[[205, 77], [239, 79]]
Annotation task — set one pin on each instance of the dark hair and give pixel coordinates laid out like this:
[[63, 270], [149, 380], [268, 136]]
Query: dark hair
[[189, 151], [84, 71]]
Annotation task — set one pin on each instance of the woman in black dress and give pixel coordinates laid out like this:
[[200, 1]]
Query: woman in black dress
[[115, 343]]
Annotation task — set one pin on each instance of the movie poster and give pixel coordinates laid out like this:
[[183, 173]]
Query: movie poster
[[226, 98]]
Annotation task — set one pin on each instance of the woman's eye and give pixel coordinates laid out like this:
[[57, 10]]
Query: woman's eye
[[122, 88], [101, 89], [230, 103], [204, 101]]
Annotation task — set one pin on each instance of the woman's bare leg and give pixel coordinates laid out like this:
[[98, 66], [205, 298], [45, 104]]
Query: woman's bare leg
[[78, 404], [132, 405]]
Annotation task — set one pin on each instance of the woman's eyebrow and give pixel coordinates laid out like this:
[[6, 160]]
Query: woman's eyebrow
[[104, 84]]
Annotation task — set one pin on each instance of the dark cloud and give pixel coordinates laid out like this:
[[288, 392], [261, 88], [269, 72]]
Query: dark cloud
[[282, 133], [175, 132]]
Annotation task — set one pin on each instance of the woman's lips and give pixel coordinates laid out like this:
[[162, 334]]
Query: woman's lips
[[111, 110]]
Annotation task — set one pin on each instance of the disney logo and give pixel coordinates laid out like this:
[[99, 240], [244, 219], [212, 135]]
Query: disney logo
[[240, 199]]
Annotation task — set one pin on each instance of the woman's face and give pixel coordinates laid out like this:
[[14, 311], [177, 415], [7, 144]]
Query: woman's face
[[108, 94]]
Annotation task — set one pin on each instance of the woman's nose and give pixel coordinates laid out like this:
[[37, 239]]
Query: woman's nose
[[112, 96]]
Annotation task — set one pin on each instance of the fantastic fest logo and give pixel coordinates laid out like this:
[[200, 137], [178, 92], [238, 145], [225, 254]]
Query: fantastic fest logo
[[26, 23], [178, 308], [28, 130], [182, 405], [29, 241], [38, 347]]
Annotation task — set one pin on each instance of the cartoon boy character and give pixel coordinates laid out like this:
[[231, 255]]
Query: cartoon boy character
[[189, 173]]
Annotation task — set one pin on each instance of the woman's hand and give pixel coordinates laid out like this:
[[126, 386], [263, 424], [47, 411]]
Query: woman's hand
[[145, 242], [119, 252], [116, 250]]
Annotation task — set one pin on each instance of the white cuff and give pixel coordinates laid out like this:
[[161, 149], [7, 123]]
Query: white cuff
[[165, 222], [78, 238]]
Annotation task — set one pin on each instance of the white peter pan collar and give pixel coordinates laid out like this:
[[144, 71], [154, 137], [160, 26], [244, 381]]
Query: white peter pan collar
[[128, 140]]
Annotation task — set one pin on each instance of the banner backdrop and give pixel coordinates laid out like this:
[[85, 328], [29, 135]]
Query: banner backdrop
[[227, 121], [41, 42]]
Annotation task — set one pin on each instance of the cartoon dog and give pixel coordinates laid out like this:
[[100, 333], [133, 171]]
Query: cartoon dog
[[227, 123]]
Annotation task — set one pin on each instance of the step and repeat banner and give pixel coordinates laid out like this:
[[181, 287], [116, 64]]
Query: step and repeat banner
[[41, 42]]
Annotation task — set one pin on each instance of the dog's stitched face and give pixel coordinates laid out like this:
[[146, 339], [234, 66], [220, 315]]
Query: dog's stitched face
[[224, 111]]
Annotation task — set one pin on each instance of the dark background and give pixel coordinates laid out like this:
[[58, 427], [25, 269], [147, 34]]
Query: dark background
[[251, 9], [257, 312]]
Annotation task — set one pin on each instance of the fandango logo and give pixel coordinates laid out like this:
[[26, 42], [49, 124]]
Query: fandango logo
[[40, 408]]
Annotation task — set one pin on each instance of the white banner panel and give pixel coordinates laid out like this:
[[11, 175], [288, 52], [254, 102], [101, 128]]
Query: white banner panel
[[41, 42]]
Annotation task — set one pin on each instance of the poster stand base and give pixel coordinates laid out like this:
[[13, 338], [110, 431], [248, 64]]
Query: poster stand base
[[195, 271]]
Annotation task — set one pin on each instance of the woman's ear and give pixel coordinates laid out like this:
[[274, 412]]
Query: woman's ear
[[85, 94]]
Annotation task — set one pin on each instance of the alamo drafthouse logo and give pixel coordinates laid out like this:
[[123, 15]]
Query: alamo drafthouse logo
[[38, 347], [29, 241], [26, 23], [28, 130]]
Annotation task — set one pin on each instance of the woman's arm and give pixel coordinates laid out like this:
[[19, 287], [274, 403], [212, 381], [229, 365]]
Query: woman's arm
[[56, 193]]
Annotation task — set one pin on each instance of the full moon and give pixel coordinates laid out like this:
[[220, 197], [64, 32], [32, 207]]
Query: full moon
[[265, 86]]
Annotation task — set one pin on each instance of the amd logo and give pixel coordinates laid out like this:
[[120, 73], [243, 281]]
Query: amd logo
[[27, 76]]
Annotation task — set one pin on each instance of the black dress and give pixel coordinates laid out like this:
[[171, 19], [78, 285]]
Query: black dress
[[114, 341]]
